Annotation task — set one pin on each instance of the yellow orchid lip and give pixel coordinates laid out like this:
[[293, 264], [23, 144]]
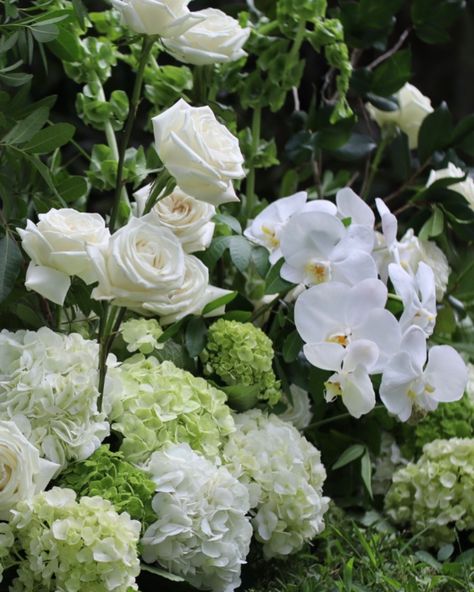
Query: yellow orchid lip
[[318, 271], [272, 238]]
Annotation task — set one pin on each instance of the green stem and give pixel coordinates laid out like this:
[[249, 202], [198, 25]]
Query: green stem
[[374, 167], [109, 323], [162, 187], [125, 139], [250, 187], [298, 42]]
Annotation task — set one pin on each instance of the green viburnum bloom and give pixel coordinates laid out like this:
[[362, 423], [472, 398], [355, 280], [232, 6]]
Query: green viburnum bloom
[[163, 404], [142, 335], [108, 475], [6, 543], [75, 546], [435, 494], [241, 354]]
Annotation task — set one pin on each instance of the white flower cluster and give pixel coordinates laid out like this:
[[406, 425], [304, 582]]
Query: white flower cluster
[[75, 545], [298, 410], [284, 475], [201, 37], [48, 388], [202, 532], [335, 252]]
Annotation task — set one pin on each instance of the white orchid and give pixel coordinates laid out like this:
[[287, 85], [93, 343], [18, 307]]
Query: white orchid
[[350, 205], [318, 248], [352, 383], [332, 316], [418, 294], [266, 228], [406, 380]]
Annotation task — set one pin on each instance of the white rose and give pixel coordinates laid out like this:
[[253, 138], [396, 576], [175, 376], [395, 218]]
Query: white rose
[[186, 217], [57, 246], [465, 188], [217, 38], [199, 152], [22, 472], [166, 18], [413, 107], [141, 264], [190, 298]]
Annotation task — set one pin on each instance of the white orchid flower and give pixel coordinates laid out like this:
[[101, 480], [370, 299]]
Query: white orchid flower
[[352, 383], [350, 205], [266, 228], [318, 248], [406, 380], [332, 316], [418, 294]]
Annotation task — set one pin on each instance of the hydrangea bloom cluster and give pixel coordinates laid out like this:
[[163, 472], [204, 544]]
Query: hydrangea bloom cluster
[[284, 474], [345, 268], [162, 404], [6, 543], [71, 545], [141, 335], [241, 354], [108, 475], [48, 387], [202, 532], [435, 493]]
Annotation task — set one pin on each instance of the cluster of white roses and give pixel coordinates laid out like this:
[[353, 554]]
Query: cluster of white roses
[[201, 37], [335, 251]]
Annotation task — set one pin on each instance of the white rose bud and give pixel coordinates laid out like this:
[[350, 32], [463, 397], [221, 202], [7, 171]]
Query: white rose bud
[[217, 38], [190, 298], [22, 472], [199, 152], [413, 107], [166, 18], [57, 246], [465, 188], [188, 219], [142, 263]]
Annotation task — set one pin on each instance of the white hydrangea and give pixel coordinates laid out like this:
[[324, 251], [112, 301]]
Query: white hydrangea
[[387, 462], [298, 411], [142, 335], [202, 532], [48, 387], [6, 543], [470, 382], [284, 474]]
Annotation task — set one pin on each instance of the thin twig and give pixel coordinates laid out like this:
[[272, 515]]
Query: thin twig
[[391, 51]]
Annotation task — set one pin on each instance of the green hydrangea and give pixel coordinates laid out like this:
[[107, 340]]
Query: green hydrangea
[[241, 354], [108, 475], [164, 404], [75, 546], [142, 335], [6, 543], [434, 495], [450, 420]]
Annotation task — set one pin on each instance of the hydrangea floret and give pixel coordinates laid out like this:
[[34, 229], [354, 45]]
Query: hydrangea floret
[[241, 354], [48, 387], [284, 474], [108, 475], [433, 496], [202, 532], [142, 335], [164, 404], [75, 545], [6, 543]]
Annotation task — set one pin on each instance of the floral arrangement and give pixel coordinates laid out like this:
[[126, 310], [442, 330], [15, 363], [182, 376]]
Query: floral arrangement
[[197, 361]]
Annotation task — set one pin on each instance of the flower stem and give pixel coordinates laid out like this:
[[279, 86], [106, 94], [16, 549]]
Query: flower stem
[[250, 187], [374, 167], [125, 139], [110, 322]]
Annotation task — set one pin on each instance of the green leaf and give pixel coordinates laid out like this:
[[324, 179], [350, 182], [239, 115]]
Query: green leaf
[[222, 301], [161, 572], [240, 252], [366, 472], [357, 147], [50, 138], [43, 170], [66, 46], [392, 74], [349, 455], [260, 260], [431, 18], [195, 336], [274, 284], [216, 250], [292, 347], [25, 129], [72, 188], [445, 552], [434, 226], [11, 261], [435, 132], [242, 396], [44, 31], [463, 130], [15, 78], [229, 221]]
